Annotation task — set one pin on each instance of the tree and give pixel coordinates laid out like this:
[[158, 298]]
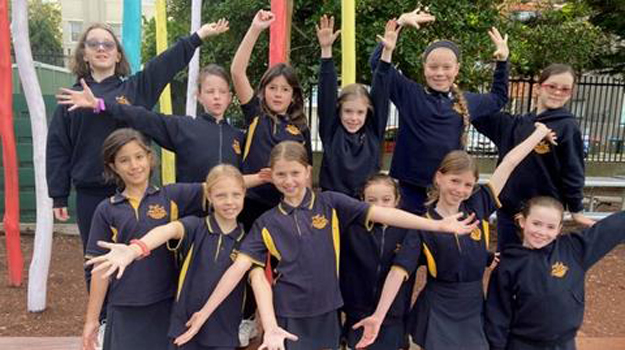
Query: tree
[[44, 26]]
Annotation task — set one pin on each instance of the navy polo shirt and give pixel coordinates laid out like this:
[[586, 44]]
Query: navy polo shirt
[[121, 219], [306, 242], [262, 135], [207, 253], [366, 258], [449, 257]]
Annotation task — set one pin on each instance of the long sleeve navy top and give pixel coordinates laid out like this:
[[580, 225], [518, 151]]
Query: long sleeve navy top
[[556, 171], [429, 128], [349, 158], [75, 139], [199, 143], [537, 295]]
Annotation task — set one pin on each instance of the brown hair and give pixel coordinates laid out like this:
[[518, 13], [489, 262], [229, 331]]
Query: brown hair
[[455, 162], [212, 69], [542, 201], [220, 171], [81, 68], [289, 151], [295, 113], [113, 143], [382, 178], [555, 69], [353, 91]]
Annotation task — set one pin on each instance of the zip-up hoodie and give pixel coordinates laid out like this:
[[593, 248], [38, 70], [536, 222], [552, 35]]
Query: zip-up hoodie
[[75, 139], [536, 296], [556, 171], [199, 143]]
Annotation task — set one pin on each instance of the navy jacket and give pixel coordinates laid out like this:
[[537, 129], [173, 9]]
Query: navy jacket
[[74, 145], [349, 158], [199, 143], [429, 128], [556, 171], [537, 295]]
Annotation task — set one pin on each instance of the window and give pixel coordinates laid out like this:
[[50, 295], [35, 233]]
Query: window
[[75, 29]]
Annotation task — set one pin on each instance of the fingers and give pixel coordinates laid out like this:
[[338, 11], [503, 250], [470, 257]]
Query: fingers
[[60, 214], [120, 273], [290, 336], [107, 245], [96, 260]]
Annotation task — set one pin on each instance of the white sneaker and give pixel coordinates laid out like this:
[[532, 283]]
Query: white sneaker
[[248, 329], [101, 336]]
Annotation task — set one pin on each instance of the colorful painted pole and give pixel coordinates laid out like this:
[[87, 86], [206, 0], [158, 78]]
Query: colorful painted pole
[[168, 159], [15, 261], [42, 250], [348, 42], [194, 65], [131, 33]]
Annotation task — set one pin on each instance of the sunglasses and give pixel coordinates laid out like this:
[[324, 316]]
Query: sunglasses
[[552, 89], [107, 45]]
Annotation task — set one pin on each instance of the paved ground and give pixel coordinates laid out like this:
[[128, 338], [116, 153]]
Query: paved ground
[[73, 343]]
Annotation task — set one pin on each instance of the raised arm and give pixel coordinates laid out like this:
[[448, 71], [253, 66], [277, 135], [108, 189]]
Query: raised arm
[[403, 219], [597, 241], [241, 60], [329, 118], [571, 154], [226, 285], [159, 71], [517, 154]]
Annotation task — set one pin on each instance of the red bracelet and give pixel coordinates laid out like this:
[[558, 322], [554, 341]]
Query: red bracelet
[[145, 251]]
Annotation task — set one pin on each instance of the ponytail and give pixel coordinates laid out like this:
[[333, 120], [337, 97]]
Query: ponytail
[[461, 107]]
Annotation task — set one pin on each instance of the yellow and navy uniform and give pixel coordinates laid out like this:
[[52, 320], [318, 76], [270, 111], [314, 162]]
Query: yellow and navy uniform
[[536, 296], [199, 143], [207, 253], [367, 254], [349, 158], [305, 240], [262, 135], [448, 312], [148, 282]]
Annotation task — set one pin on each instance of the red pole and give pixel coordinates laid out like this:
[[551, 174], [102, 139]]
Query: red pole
[[278, 33], [9, 155]]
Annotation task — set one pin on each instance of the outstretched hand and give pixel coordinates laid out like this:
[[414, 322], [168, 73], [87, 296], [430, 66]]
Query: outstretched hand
[[274, 339], [391, 32], [77, 99], [325, 31], [416, 18], [213, 29], [549, 134], [194, 324], [371, 327], [501, 44], [119, 257], [461, 227]]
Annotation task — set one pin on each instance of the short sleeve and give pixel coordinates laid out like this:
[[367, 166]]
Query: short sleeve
[[251, 109], [483, 202], [407, 258], [193, 229], [253, 245], [348, 209], [188, 198], [101, 230]]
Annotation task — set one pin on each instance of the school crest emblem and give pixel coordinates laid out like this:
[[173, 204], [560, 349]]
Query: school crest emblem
[[236, 146], [156, 212], [559, 270], [319, 221], [122, 100], [476, 234], [292, 129], [542, 147]]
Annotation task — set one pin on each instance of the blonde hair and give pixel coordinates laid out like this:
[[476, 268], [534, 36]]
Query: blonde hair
[[353, 91], [289, 151], [220, 171], [455, 162]]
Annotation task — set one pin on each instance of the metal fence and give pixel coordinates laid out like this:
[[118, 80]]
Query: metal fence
[[597, 103]]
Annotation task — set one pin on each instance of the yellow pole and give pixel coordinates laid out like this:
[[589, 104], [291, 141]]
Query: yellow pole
[[348, 42], [168, 159]]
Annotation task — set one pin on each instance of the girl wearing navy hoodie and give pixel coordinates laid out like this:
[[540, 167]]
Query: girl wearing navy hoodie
[[351, 125], [551, 170], [76, 136], [433, 118]]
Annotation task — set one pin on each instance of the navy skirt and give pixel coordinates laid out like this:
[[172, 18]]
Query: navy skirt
[[520, 344], [390, 337], [449, 316], [138, 327], [314, 333]]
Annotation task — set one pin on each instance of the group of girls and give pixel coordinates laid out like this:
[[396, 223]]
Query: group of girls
[[176, 270]]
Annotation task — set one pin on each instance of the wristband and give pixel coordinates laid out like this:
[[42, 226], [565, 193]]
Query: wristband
[[145, 251], [100, 106]]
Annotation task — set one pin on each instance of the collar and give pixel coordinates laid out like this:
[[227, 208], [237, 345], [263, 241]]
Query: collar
[[120, 197], [213, 228], [212, 119], [307, 203], [89, 79], [446, 94], [431, 212]]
